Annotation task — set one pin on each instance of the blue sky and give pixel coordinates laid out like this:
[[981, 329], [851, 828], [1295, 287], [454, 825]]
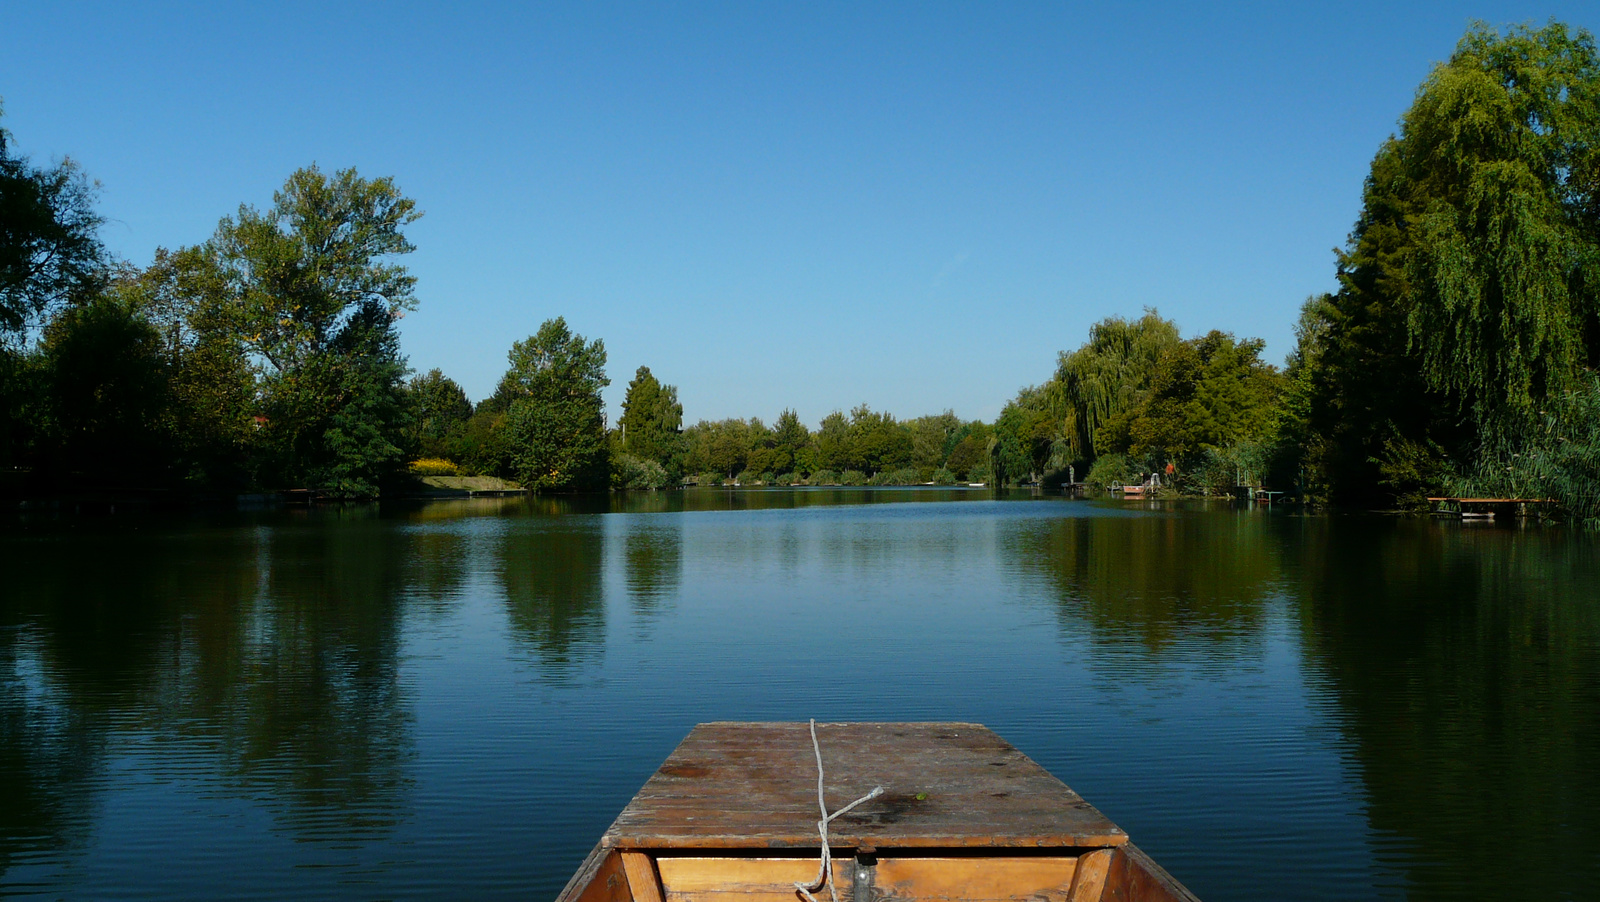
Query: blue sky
[[915, 206]]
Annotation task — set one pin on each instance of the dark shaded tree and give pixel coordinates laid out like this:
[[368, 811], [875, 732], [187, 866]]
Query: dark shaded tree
[[109, 397], [439, 412], [50, 251]]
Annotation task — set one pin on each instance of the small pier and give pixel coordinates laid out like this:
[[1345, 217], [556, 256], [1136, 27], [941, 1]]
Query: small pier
[[1486, 508]]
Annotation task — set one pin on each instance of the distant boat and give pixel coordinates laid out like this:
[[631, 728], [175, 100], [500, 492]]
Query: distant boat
[[976, 485], [945, 811]]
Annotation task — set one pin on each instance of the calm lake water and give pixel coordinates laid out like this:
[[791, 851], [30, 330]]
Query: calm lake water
[[455, 699]]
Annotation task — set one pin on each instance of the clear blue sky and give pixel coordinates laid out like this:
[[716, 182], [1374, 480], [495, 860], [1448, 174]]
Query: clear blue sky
[[911, 205]]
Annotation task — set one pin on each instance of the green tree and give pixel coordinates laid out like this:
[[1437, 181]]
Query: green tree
[[1468, 293], [652, 419], [302, 268], [1024, 436], [1211, 392], [1105, 377], [439, 412], [1500, 157], [50, 258], [879, 442], [721, 447], [108, 396], [368, 420], [554, 419], [313, 298], [791, 441], [932, 441], [50, 251], [835, 449], [212, 386]]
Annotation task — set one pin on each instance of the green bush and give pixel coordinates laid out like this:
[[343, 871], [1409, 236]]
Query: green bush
[[852, 477], [629, 472], [1109, 470], [825, 477], [942, 476]]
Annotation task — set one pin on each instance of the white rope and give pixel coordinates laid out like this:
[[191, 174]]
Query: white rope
[[824, 872]]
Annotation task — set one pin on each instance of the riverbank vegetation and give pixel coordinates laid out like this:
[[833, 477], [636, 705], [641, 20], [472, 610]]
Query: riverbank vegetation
[[1458, 355]]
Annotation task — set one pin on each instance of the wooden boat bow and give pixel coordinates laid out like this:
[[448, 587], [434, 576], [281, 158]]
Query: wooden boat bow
[[964, 815]]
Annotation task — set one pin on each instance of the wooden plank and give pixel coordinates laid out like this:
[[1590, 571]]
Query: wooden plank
[[753, 785], [726, 879], [974, 879], [599, 879], [642, 879], [1090, 879], [1135, 877]]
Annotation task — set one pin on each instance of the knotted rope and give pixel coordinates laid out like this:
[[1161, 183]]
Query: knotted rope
[[825, 872]]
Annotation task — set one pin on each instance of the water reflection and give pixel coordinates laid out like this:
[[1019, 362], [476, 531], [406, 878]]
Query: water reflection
[[550, 571], [1429, 694], [47, 751], [315, 709], [1153, 580], [653, 563], [267, 657], [1467, 662]]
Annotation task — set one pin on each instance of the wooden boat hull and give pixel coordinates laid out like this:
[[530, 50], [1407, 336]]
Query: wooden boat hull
[[961, 816], [1123, 874]]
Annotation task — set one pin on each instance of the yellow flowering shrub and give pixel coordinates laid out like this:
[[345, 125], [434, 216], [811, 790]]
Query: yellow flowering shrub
[[434, 466]]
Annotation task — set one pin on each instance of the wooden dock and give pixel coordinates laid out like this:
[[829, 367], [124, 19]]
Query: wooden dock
[[1487, 508], [731, 816]]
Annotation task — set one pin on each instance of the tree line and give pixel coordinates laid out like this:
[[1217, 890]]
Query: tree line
[[1459, 353]]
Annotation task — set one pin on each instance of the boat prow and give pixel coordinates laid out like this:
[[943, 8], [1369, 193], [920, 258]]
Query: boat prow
[[731, 816]]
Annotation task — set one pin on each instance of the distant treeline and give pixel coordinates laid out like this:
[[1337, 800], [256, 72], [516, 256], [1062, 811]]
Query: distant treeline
[[1459, 354]]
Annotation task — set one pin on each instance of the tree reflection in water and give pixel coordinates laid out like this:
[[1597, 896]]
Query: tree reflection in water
[[652, 563], [550, 571], [1467, 662], [270, 654], [1150, 582]]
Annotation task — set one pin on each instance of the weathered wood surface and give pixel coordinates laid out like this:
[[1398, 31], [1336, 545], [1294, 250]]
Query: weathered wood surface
[[1135, 877], [599, 879], [947, 785]]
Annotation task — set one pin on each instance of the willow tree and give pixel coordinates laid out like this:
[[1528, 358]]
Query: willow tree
[[1467, 296], [1500, 155], [1107, 376]]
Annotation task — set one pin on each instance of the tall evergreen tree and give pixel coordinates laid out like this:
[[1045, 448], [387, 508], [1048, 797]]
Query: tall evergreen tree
[[652, 419], [439, 413]]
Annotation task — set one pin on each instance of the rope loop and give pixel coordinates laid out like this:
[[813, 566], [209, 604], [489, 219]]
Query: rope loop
[[824, 872]]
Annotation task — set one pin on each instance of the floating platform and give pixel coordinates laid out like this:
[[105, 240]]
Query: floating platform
[[732, 816]]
